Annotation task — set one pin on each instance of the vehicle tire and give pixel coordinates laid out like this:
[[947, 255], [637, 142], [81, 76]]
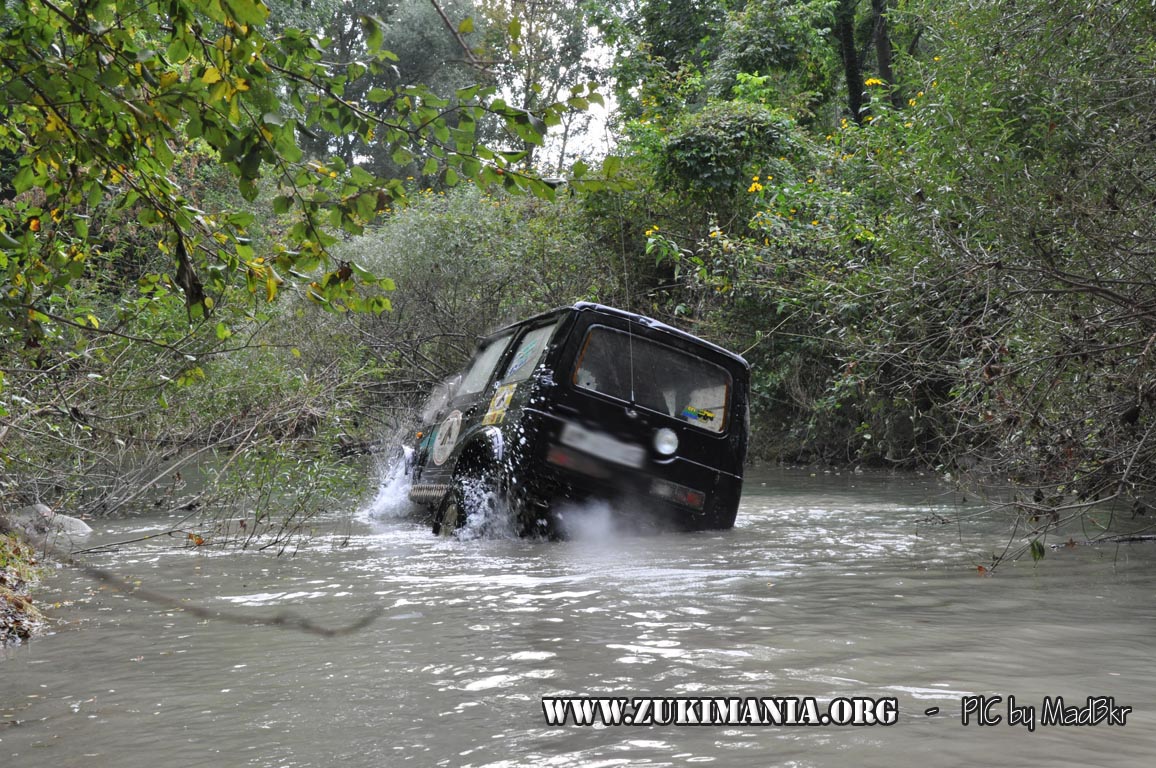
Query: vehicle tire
[[473, 495], [445, 519]]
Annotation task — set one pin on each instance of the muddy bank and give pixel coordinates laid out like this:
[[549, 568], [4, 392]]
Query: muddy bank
[[19, 617]]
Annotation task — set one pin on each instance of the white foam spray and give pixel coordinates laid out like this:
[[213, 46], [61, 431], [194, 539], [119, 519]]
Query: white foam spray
[[392, 499]]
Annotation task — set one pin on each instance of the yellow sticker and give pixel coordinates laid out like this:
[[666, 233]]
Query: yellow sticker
[[499, 403]]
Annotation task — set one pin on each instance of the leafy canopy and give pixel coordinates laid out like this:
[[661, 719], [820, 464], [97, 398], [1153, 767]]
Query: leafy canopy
[[99, 99]]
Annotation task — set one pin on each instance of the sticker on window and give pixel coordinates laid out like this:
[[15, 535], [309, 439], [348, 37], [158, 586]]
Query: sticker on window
[[697, 414], [499, 404]]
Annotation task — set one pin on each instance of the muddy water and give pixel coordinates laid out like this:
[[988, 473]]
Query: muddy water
[[828, 586]]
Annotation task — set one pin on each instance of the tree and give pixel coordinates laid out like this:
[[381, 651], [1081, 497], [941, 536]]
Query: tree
[[100, 98], [539, 51], [425, 53]]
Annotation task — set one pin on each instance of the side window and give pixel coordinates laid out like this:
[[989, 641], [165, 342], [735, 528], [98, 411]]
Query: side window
[[483, 366], [529, 352]]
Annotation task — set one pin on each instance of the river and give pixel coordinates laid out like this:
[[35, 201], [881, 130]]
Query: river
[[830, 585]]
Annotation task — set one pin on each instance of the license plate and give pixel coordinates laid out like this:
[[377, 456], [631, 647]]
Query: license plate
[[603, 446]]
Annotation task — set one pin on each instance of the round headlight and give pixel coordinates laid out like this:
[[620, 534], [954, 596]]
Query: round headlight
[[665, 442]]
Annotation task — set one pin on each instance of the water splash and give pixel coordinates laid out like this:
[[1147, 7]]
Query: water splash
[[588, 521], [489, 515], [392, 499]]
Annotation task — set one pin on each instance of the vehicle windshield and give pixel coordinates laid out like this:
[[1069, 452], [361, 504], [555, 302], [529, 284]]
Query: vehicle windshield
[[483, 366], [664, 379]]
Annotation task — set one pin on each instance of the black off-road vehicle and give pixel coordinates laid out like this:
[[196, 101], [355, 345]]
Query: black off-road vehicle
[[588, 402]]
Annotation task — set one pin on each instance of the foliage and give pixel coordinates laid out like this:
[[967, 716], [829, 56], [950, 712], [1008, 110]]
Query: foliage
[[423, 51], [1027, 225], [540, 51], [710, 154], [784, 43], [100, 99]]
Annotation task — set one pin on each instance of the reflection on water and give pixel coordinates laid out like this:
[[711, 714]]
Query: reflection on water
[[828, 586]]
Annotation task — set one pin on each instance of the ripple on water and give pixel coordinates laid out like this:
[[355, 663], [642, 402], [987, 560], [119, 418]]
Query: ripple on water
[[828, 586]]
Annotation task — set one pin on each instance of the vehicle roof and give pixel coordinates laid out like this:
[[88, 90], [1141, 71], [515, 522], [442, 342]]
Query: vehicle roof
[[649, 322]]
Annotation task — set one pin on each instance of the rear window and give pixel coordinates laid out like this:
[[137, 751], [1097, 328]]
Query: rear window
[[662, 378]]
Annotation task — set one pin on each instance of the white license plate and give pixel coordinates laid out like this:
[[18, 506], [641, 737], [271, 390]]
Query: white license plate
[[603, 446]]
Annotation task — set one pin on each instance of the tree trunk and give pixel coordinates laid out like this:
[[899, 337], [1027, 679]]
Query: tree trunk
[[857, 98], [883, 51]]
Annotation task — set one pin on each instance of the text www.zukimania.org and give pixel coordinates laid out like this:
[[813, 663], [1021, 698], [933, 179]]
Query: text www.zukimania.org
[[782, 711]]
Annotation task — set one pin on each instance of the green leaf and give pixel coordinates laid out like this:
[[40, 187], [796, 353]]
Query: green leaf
[[402, 156], [371, 26], [282, 204], [467, 26], [249, 12], [1037, 550], [514, 28]]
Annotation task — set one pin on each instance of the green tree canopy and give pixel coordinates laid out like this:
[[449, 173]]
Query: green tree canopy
[[100, 100]]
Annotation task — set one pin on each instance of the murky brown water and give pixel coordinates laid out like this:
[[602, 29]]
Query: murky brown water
[[828, 586]]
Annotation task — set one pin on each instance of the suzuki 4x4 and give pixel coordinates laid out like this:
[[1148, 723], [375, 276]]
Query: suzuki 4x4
[[588, 402]]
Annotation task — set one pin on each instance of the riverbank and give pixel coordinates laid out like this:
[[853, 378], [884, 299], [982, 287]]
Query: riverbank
[[19, 617]]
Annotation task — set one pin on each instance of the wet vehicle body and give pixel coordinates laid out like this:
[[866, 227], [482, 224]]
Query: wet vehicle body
[[587, 402]]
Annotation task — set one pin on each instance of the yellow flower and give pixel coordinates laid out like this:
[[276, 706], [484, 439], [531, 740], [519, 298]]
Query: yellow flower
[[754, 178], [911, 102], [715, 233], [872, 81], [755, 187]]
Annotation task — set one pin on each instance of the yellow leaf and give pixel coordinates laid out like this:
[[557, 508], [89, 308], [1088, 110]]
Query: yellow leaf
[[212, 75], [168, 78]]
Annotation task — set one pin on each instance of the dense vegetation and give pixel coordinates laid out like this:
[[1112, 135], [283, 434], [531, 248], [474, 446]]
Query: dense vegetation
[[928, 226]]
